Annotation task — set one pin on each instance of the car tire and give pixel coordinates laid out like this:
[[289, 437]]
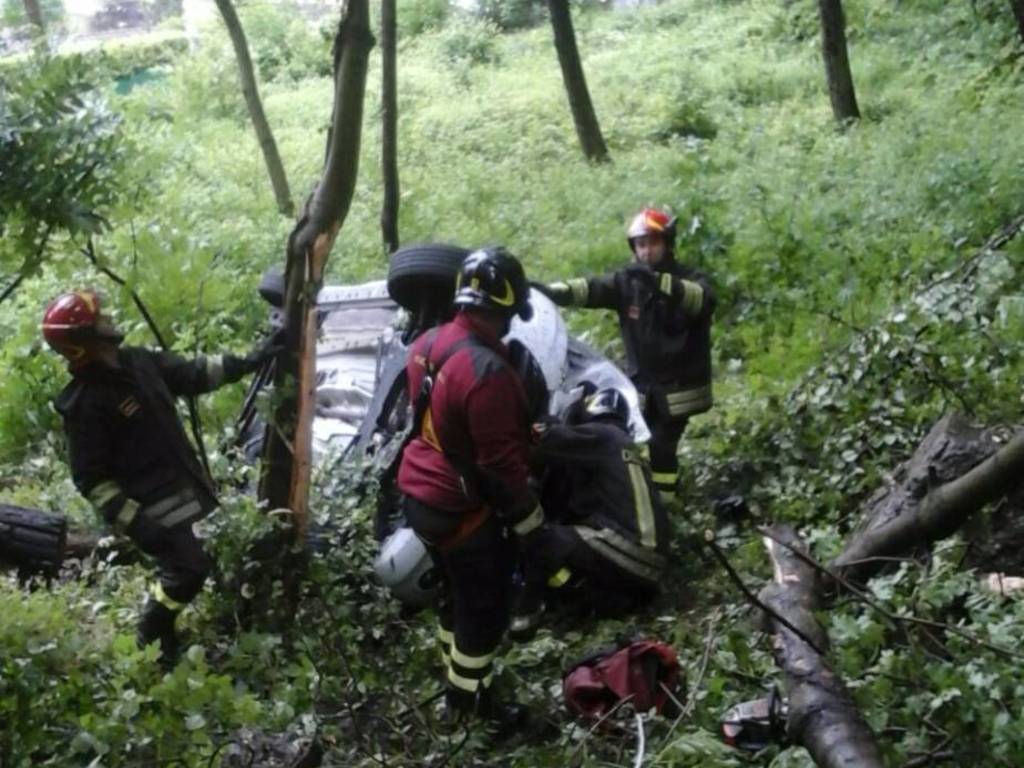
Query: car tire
[[424, 274]]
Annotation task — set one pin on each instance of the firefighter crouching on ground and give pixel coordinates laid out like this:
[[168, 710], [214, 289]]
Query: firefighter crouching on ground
[[464, 474], [665, 318], [128, 451], [605, 529]]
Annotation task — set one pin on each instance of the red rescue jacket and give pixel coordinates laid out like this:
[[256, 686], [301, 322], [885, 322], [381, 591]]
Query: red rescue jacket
[[478, 413]]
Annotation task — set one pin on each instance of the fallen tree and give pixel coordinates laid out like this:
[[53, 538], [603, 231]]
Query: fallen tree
[[955, 472], [822, 716], [937, 495]]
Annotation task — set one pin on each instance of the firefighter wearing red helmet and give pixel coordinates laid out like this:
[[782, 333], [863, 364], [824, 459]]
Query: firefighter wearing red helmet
[[664, 310], [128, 452], [464, 473]]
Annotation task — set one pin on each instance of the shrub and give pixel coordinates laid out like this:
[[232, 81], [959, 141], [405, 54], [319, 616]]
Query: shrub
[[283, 45], [689, 118], [470, 41], [414, 17], [509, 15]]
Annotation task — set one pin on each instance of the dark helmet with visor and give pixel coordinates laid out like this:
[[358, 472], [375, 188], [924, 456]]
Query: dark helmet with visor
[[492, 278]]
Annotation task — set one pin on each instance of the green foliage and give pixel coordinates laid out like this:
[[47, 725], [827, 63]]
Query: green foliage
[[207, 84], [690, 118], [282, 43], [414, 17], [467, 41], [510, 15], [60, 152], [851, 314], [123, 59], [12, 13], [117, 59]]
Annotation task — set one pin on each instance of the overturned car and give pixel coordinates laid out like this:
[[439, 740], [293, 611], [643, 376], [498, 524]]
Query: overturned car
[[362, 405]]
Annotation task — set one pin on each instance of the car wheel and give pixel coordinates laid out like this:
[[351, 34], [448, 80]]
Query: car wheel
[[423, 275]]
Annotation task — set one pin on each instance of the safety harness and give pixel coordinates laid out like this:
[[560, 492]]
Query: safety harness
[[423, 426]]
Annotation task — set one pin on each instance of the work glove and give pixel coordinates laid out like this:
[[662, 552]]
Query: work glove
[[236, 368], [642, 273], [523, 516], [560, 293], [542, 424], [268, 349]]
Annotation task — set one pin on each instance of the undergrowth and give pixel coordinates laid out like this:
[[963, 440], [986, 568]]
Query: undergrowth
[[853, 312]]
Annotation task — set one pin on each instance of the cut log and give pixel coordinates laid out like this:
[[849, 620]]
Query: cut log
[[822, 716], [955, 472], [32, 540]]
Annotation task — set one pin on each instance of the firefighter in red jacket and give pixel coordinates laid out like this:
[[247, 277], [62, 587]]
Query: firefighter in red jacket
[[664, 313], [464, 474], [128, 451]]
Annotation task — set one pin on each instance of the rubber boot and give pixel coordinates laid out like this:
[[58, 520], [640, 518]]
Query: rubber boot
[[527, 610], [156, 625], [501, 718]]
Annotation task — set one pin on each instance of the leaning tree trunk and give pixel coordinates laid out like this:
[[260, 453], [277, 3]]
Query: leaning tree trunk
[[1018, 12], [822, 716], [278, 178], [837, 61], [35, 15], [288, 446], [389, 127], [587, 128], [940, 513]]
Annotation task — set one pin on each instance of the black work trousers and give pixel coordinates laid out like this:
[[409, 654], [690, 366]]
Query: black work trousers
[[666, 431], [555, 552], [473, 610], [182, 564]]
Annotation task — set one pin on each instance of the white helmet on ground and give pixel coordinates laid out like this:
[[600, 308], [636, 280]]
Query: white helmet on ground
[[406, 568]]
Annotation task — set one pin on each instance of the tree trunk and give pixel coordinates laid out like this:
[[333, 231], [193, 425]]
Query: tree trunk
[[278, 179], [35, 15], [288, 449], [822, 716], [587, 128], [1018, 12], [389, 127], [837, 61], [939, 514]]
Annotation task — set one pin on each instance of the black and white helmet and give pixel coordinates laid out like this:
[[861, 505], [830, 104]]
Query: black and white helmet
[[606, 404], [492, 278]]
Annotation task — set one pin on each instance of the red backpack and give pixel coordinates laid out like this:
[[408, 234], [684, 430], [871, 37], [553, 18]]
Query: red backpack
[[641, 673]]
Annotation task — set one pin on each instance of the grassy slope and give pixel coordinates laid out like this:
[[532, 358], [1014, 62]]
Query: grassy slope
[[796, 221]]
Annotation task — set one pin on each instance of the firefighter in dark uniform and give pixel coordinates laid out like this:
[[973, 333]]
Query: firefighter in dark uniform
[[464, 474], [605, 528], [665, 317], [128, 451]]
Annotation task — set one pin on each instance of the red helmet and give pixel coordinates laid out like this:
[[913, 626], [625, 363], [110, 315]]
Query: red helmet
[[69, 325], [651, 221]]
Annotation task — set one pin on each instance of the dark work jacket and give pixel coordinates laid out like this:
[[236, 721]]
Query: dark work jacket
[[122, 427], [665, 320], [477, 414], [598, 478]]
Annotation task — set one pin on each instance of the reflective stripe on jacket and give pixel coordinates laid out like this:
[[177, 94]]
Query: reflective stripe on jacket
[[128, 451], [665, 321], [600, 483]]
